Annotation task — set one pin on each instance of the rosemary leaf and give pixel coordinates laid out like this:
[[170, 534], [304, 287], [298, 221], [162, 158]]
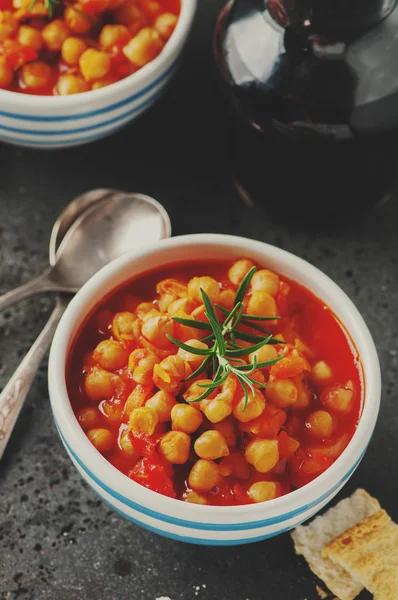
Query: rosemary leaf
[[247, 351], [205, 394], [242, 289], [193, 323], [258, 318], [200, 369], [216, 383], [260, 365]]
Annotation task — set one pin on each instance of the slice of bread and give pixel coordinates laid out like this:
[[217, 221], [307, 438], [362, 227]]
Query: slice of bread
[[309, 540], [369, 553]]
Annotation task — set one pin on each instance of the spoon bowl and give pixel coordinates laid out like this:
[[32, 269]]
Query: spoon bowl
[[112, 226]]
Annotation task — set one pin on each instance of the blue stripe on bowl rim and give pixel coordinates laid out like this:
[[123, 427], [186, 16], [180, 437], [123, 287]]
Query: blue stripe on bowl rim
[[192, 540], [207, 526], [46, 143], [52, 132], [99, 111]]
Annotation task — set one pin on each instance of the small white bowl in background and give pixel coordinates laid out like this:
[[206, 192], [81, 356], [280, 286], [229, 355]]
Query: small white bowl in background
[[62, 121], [213, 525]]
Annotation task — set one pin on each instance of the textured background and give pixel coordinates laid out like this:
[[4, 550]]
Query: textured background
[[57, 540]]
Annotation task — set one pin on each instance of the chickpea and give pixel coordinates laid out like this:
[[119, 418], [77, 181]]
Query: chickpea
[[195, 498], [113, 35], [303, 394], [319, 424], [338, 398], [175, 447], [29, 36], [227, 299], [111, 355], [36, 74], [168, 374], [71, 84], [204, 475], [98, 384], [77, 20], [155, 329], [143, 47], [104, 82], [194, 390], [8, 24], [164, 301], [262, 304], [162, 402], [88, 417], [185, 418], [144, 309], [152, 8], [264, 354], [216, 410], [137, 398], [211, 445], [54, 34], [321, 371], [195, 360], [128, 14], [102, 439], [262, 454], [72, 49], [165, 25], [207, 284], [141, 364], [265, 281], [125, 326], [6, 74], [239, 269], [228, 431], [17, 4], [282, 393], [127, 446], [263, 491], [182, 305], [171, 286], [143, 420], [112, 411], [235, 464], [255, 407], [94, 64]]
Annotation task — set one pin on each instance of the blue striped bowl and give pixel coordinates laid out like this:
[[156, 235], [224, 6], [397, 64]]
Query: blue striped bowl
[[181, 520], [62, 121]]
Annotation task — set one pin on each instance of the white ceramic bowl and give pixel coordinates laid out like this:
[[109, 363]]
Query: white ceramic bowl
[[61, 121], [182, 520]]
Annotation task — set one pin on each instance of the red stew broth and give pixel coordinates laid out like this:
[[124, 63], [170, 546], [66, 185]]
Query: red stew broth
[[311, 319]]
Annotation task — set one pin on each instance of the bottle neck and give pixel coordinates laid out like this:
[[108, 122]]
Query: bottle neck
[[348, 18]]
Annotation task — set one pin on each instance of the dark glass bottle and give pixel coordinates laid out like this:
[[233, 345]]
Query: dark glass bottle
[[315, 83]]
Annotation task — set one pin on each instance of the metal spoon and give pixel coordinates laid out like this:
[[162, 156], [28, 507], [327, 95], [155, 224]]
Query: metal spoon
[[101, 234], [84, 211]]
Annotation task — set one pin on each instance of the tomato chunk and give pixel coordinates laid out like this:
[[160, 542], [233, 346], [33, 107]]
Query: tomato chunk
[[290, 366], [154, 476], [16, 54]]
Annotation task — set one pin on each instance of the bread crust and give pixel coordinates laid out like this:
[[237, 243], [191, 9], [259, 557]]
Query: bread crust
[[309, 540], [368, 551]]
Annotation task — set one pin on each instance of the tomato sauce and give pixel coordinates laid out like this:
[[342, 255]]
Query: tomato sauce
[[313, 336]]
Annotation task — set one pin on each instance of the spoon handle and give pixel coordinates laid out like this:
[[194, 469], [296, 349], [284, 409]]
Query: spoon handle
[[38, 284], [16, 390]]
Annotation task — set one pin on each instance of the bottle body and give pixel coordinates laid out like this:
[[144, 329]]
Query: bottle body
[[301, 139]]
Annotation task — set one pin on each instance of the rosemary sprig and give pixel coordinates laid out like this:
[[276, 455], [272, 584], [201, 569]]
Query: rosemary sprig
[[224, 354], [49, 5]]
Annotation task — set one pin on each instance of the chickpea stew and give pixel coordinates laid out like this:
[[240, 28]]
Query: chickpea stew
[[135, 391], [55, 47]]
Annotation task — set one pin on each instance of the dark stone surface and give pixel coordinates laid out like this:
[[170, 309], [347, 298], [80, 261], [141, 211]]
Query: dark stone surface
[[57, 540]]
